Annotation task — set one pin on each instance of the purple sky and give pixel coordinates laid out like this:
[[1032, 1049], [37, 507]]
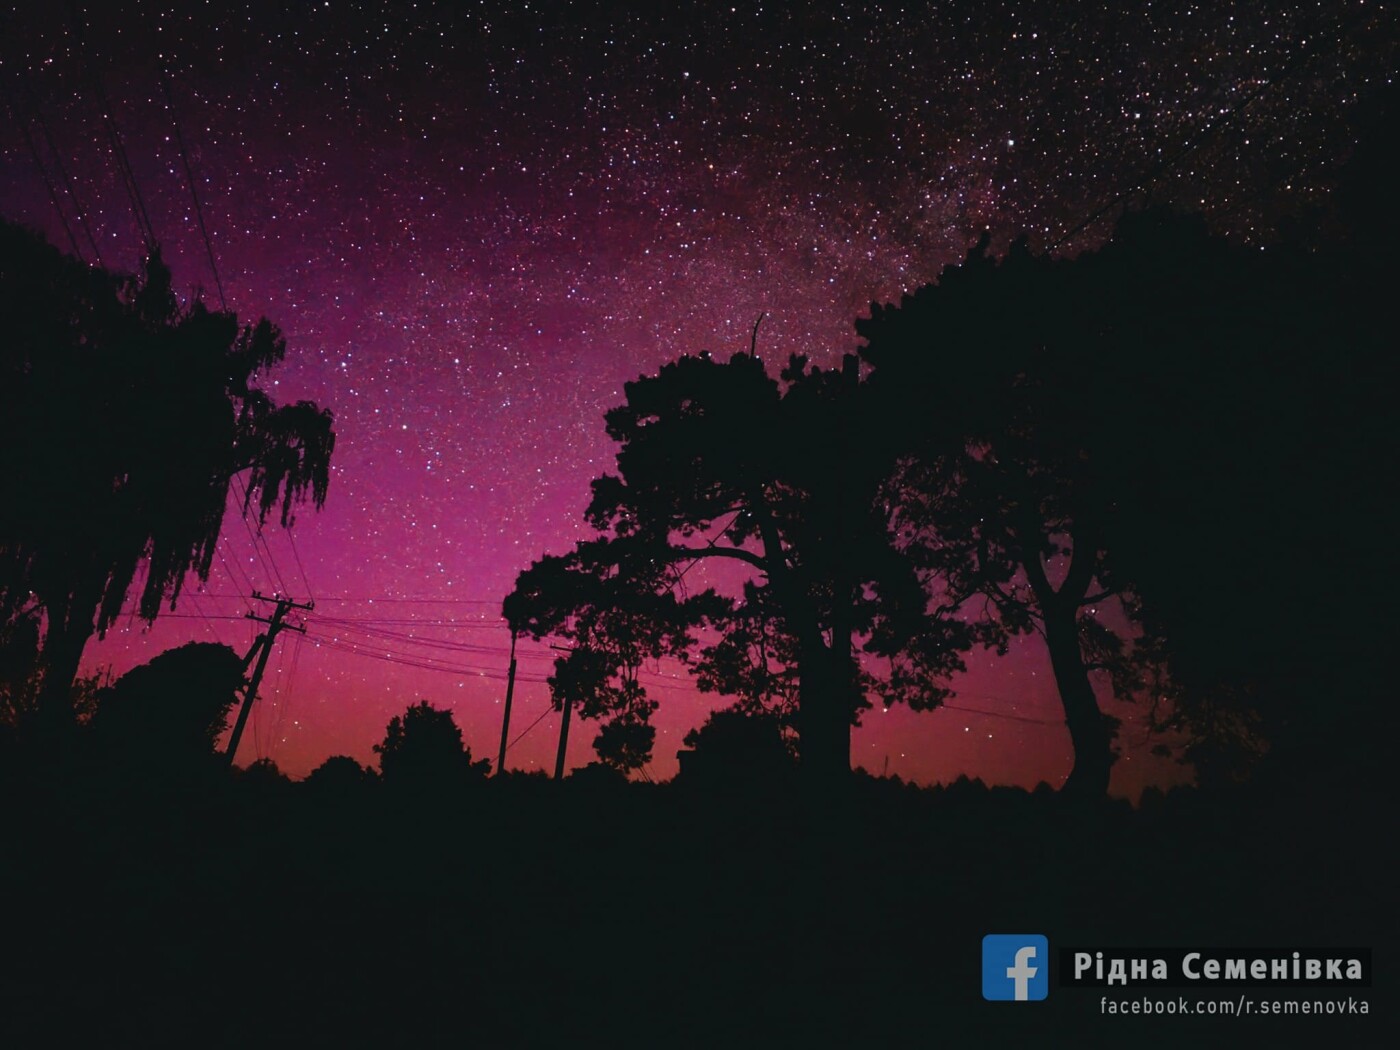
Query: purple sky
[[475, 225]]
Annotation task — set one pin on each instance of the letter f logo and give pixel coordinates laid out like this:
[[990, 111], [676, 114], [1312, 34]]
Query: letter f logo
[[1014, 967], [1022, 972]]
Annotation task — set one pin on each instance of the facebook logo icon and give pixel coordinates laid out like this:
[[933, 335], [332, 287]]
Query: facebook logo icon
[[1015, 967]]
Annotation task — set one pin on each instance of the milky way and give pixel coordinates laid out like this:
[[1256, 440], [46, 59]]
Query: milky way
[[475, 225]]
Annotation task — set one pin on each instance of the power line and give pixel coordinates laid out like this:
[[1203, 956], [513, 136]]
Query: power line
[[423, 663], [414, 601], [279, 701], [261, 649], [247, 583], [199, 616], [148, 235], [194, 600], [1003, 714], [63, 172], [223, 303], [43, 173], [358, 627], [318, 626], [355, 627], [430, 663], [273, 574], [189, 178], [114, 135], [392, 625], [525, 732], [292, 540], [284, 706], [475, 670], [384, 621]]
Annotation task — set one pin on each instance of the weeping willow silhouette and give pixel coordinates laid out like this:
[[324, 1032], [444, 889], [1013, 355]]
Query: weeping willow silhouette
[[124, 418]]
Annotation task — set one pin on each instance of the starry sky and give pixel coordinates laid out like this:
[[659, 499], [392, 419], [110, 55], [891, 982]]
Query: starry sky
[[476, 222]]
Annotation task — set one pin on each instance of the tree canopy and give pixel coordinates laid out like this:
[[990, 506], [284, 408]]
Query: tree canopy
[[422, 748], [783, 478], [124, 417], [170, 712], [1149, 428], [1092, 449], [737, 746]]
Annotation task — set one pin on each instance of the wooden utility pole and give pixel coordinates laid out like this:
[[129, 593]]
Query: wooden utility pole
[[564, 737], [262, 649], [510, 694], [563, 726]]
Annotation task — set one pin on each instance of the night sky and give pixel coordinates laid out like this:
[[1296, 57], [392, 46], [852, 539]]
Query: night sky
[[475, 225]]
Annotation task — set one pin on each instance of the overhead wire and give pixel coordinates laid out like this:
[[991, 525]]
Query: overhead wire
[[446, 625], [284, 706], [43, 173], [402, 639], [426, 664], [189, 179], [1003, 714], [223, 303], [248, 587], [268, 564], [526, 731], [296, 554], [359, 627], [63, 173], [199, 609], [276, 696], [114, 135], [412, 601], [146, 228]]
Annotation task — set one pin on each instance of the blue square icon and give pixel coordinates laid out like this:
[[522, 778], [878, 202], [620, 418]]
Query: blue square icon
[[1015, 967]]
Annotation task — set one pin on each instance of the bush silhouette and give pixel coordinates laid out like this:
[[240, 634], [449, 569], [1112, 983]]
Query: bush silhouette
[[423, 748], [734, 744], [339, 774], [170, 712]]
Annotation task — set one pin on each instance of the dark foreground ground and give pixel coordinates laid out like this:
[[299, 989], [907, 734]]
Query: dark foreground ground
[[526, 913]]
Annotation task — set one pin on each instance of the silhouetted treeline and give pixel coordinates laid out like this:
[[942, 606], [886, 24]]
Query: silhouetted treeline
[[1167, 457], [156, 895], [525, 911], [1192, 426]]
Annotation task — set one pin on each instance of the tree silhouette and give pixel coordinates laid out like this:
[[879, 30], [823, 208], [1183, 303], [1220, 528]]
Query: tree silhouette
[[169, 713], [124, 418], [263, 775], [738, 745], [338, 775], [1113, 428], [774, 476], [1256, 538], [422, 748], [996, 492], [616, 619]]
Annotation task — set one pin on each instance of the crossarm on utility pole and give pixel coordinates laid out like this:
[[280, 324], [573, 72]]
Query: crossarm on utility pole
[[262, 648]]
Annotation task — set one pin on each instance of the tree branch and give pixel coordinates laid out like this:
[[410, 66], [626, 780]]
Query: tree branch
[[737, 553], [1035, 576], [753, 340]]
